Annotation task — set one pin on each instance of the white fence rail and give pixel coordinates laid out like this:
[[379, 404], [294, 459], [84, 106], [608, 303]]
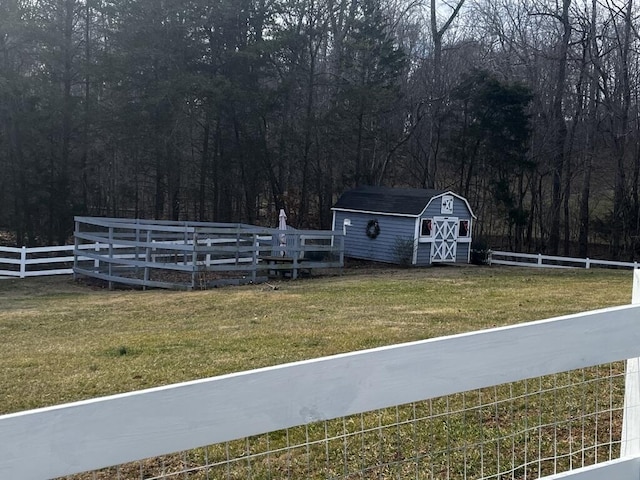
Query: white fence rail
[[58, 260], [89, 435], [43, 261], [38, 261], [551, 261]]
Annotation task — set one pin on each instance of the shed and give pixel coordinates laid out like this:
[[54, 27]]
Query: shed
[[405, 225]]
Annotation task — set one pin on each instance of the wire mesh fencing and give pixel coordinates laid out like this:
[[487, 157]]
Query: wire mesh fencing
[[521, 430]]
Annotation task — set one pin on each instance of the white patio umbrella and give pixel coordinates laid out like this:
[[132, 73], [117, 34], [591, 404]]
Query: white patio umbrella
[[282, 225]]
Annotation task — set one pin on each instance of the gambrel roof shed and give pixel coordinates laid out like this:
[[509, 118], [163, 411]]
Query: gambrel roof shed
[[392, 201], [405, 225]]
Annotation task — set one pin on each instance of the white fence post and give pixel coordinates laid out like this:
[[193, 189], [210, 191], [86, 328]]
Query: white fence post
[[587, 264], [630, 438], [23, 262], [540, 259]]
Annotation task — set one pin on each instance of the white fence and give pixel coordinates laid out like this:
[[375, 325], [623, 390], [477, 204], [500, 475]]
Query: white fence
[[551, 261], [43, 261], [58, 260], [524, 401], [37, 261]]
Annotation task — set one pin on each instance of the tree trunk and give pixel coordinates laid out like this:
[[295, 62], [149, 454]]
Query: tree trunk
[[437, 91], [204, 161], [560, 131], [585, 192], [619, 217]]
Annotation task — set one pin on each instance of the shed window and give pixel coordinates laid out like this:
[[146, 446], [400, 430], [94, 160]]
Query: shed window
[[425, 228], [463, 228]]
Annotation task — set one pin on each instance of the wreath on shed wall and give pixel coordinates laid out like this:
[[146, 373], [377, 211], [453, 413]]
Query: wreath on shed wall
[[373, 229]]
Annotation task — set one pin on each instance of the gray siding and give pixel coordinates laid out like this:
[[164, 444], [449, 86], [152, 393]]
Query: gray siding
[[381, 248], [459, 209], [462, 252], [424, 254]]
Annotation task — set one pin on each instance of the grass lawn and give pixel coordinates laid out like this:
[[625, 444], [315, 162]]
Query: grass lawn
[[64, 341]]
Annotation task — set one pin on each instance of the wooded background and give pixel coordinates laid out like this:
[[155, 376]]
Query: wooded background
[[228, 110]]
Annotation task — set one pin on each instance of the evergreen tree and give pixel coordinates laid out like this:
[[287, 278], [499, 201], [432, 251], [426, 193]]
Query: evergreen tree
[[489, 142]]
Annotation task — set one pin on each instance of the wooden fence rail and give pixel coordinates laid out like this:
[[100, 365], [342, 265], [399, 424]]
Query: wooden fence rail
[[214, 254], [23, 262], [191, 254], [39, 261], [552, 261]]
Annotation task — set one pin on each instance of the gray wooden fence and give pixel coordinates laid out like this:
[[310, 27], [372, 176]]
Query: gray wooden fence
[[192, 255]]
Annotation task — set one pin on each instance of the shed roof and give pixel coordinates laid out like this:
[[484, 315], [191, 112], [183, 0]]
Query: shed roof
[[402, 201]]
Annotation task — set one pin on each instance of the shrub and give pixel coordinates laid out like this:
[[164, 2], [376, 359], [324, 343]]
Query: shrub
[[480, 251], [403, 251]]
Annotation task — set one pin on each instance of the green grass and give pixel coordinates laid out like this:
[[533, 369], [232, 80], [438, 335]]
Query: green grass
[[65, 341]]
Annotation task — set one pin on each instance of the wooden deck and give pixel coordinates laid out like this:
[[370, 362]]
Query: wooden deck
[[280, 266]]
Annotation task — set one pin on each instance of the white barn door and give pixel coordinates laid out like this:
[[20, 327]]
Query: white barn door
[[445, 236]]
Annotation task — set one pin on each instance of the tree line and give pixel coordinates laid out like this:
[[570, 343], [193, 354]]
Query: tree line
[[228, 110]]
